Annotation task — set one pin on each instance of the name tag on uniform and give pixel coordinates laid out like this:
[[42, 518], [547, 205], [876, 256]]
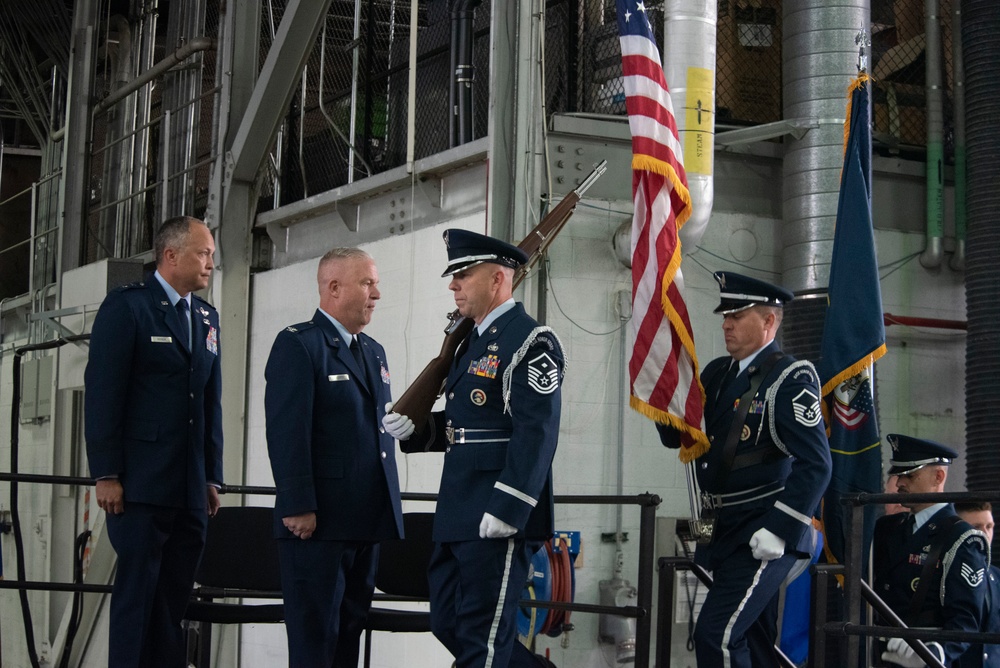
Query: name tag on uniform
[[337, 376], [161, 339]]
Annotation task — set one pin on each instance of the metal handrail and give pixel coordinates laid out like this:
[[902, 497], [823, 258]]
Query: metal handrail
[[641, 612], [856, 588]]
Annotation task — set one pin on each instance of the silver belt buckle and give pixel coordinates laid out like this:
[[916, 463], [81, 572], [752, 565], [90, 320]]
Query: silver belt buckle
[[454, 435], [710, 501]]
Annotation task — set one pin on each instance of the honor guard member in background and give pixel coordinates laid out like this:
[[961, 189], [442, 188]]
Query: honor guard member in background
[[498, 431], [154, 440], [334, 468], [762, 477], [979, 514], [929, 565]]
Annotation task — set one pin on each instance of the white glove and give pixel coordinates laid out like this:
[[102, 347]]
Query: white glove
[[397, 425], [494, 527], [900, 653], [766, 546]]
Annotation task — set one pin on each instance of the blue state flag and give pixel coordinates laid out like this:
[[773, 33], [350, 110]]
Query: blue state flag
[[853, 335]]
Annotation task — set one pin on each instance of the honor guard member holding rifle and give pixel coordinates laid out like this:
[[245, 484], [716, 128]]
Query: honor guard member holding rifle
[[929, 564], [498, 431], [762, 478]]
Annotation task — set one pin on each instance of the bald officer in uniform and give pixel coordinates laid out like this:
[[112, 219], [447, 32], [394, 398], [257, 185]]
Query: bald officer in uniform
[[334, 468], [154, 440], [929, 565], [761, 479], [498, 431]]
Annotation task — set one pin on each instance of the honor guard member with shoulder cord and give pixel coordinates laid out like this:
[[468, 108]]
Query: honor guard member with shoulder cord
[[762, 478], [333, 465], [980, 515], [929, 565], [498, 431]]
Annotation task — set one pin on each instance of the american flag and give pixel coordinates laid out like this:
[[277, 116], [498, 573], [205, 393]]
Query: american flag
[[663, 371]]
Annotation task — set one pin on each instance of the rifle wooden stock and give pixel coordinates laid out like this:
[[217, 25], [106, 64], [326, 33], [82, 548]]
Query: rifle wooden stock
[[418, 399]]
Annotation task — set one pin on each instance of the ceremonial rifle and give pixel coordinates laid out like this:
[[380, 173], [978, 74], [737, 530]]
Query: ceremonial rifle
[[418, 399]]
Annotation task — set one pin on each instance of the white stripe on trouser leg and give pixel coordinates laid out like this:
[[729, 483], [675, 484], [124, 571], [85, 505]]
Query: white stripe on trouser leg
[[491, 640], [732, 620]]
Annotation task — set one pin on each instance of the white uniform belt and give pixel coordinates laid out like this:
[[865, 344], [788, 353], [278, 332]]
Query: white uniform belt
[[710, 501], [456, 435]]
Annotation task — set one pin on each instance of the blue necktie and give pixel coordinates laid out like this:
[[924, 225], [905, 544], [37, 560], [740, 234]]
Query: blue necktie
[[185, 317], [727, 380], [359, 357]]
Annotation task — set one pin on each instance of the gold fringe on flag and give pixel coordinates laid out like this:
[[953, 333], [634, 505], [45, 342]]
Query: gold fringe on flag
[[699, 440]]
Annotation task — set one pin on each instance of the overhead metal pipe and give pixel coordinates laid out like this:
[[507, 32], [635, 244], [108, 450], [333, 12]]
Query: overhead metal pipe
[[957, 261], [934, 248], [689, 42], [463, 71], [192, 46]]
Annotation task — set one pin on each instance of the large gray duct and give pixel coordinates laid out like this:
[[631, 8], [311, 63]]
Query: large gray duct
[[981, 52], [819, 60]]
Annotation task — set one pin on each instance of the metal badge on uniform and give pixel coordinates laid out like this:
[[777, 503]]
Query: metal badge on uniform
[[212, 341], [913, 584], [543, 374], [160, 339], [164, 303], [337, 376], [486, 367], [745, 433], [478, 397], [201, 309], [493, 347], [384, 373], [205, 320], [806, 408], [493, 329]]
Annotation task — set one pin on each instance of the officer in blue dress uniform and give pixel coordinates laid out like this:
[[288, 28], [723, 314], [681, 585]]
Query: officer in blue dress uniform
[[334, 468], [979, 514], [153, 409], [930, 541], [766, 469], [498, 431]]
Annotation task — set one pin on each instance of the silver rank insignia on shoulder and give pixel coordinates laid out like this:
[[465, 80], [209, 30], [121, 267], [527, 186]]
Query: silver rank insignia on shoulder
[[974, 577], [291, 329], [806, 408], [543, 374]]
